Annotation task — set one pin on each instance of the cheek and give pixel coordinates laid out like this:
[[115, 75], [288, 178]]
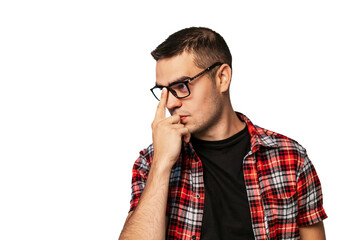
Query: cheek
[[204, 105]]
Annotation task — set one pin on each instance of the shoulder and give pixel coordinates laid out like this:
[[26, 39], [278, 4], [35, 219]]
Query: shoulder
[[262, 138], [278, 140], [281, 149], [143, 162], [147, 153]]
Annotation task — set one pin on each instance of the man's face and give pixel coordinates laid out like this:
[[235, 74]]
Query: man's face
[[201, 109]]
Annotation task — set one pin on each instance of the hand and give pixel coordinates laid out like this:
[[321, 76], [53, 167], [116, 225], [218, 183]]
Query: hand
[[167, 134]]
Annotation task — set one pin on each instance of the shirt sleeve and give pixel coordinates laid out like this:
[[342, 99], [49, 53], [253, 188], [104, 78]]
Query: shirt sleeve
[[310, 199], [140, 171]]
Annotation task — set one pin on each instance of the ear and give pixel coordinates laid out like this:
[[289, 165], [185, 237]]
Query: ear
[[223, 77]]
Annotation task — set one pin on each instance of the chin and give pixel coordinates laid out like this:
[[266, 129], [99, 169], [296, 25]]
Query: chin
[[190, 128], [193, 129]]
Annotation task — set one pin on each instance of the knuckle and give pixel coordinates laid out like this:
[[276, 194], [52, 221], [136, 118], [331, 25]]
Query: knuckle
[[160, 104], [175, 117], [155, 124]]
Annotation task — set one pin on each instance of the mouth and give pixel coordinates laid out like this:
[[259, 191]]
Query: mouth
[[184, 115], [183, 118]]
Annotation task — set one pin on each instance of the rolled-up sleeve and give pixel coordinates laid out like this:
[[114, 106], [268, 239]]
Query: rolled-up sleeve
[[310, 198], [139, 177]]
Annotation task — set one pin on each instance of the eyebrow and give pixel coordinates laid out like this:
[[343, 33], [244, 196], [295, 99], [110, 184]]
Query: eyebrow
[[181, 79]]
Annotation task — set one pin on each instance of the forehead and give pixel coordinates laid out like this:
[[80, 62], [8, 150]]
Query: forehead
[[169, 70]]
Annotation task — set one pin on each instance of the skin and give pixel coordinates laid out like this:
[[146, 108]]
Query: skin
[[206, 114], [210, 115], [313, 232]]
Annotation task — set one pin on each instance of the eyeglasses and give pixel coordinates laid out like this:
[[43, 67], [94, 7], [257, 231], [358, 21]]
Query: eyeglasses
[[180, 89]]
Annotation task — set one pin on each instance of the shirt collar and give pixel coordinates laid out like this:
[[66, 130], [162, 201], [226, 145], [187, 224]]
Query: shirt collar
[[259, 137]]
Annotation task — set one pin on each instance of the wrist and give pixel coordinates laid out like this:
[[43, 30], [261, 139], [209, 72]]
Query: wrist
[[161, 166]]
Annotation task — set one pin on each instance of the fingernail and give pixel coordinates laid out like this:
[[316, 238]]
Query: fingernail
[[163, 90]]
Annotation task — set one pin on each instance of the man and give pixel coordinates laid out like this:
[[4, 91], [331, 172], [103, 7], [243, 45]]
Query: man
[[210, 173]]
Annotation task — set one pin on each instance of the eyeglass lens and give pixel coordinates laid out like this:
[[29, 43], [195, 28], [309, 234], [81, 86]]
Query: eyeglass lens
[[180, 89]]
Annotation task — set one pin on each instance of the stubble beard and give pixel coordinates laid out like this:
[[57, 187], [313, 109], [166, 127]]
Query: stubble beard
[[201, 127]]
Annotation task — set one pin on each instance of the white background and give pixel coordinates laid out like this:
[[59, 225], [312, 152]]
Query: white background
[[75, 105]]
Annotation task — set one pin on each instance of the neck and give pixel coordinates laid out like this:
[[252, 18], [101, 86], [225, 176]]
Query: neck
[[227, 125]]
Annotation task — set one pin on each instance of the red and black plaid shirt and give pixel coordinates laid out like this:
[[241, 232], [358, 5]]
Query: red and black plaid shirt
[[284, 192]]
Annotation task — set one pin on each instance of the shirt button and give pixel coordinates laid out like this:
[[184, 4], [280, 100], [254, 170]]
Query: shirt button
[[193, 237], [197, 196]]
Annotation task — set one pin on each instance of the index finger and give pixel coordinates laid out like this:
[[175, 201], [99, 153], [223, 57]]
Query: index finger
[[161, 107]]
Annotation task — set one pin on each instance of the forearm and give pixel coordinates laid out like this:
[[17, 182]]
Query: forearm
[[148, 221], [312, 232]]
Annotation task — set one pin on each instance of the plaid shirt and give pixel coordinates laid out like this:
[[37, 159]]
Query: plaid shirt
[[284, 192]]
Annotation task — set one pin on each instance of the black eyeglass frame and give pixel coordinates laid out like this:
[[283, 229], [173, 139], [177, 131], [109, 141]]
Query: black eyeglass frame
[[185, 82]]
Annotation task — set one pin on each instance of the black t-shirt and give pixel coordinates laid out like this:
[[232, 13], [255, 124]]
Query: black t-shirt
[[226, 208]]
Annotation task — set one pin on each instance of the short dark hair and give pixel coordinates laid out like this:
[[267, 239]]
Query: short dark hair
[[206, 45]]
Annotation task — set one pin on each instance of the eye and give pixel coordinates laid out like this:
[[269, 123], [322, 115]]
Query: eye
[[180, 87]]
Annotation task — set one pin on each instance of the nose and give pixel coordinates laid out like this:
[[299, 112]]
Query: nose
[[173, 102]]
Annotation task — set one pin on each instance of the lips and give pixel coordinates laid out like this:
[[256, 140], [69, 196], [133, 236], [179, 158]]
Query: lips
[[183, 118]]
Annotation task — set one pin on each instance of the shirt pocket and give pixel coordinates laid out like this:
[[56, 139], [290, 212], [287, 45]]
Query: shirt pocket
[[281, 212]]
